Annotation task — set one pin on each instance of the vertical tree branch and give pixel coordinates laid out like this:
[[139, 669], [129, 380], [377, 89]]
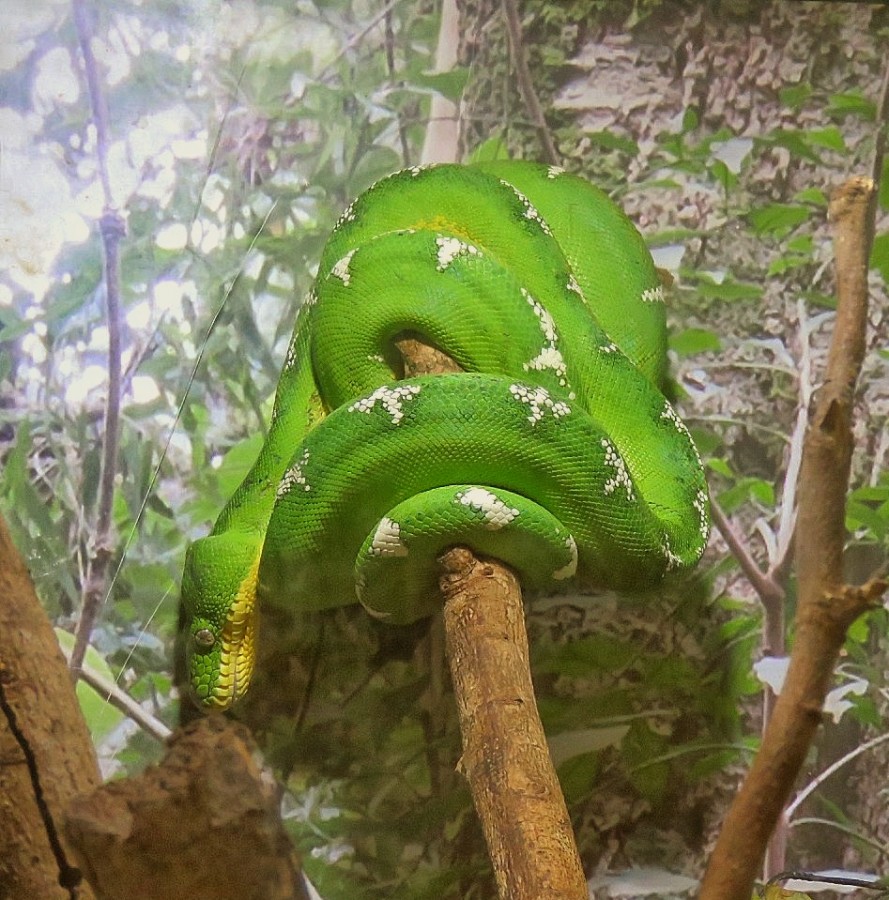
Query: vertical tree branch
[[826, 607], [505, 755], [112, 229], [46, 754], [526, 83]]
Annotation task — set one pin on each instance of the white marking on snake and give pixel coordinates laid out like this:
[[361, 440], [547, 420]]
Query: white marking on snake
[[348, 215], [670, 415], [574, 287], [449, 248], [547, 326], [570, 568], [539, 402], [549, 358], [496, 513], [341, 268], [387, 540], [530, 210], [554, 171], [621, 478], [700, 504], [653, 295], [376, 357], [293, 476], [610, 347], [390, 398], [290, 359], [673, 561]]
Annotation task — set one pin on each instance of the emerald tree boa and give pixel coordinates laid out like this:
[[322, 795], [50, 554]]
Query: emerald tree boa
[[555, 451]]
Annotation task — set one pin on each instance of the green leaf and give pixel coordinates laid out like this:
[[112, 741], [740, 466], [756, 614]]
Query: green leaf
[[796, 95], [763, 491], [728, 290], [782, 264], [609, 141], [101, 717], [852, 103], [778, 218], [812, 195], [449, 84], [237, 462], [492, 149], [831, 138], [577, 776], [879, 257], [12, 326], [796, 142], [720, 466], [695, 340], [860, 514], [689, 120], [803, 243]]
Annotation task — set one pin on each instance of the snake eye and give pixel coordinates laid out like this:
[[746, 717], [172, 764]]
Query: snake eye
[[204, 639]]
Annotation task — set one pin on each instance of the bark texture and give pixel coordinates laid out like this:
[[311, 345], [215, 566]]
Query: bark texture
[[826, 607], [505, 755], [203, 824], [46, 755]]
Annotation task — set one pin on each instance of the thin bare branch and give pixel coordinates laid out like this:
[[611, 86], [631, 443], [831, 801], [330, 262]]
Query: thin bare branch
[[526, 82], [826, 606], [112, 229]]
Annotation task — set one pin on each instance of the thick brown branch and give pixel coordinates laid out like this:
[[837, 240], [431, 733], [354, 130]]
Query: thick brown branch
[[46, 755], [505, 756], [826, 607], [203, 823]]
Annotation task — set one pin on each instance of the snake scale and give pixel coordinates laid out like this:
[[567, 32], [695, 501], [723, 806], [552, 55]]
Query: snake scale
[[554, 451]]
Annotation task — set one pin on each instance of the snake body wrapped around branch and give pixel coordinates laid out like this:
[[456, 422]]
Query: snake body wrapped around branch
[[555, 451]]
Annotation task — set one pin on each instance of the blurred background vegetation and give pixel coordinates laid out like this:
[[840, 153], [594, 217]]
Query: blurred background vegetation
[[238, 133]]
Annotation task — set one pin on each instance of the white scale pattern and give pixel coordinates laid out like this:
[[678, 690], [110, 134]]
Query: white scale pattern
[[341, 268], [570, 568], [669, 414], [294, 476], [621, 477], [653, 295], [391, 399], [550, 357], [496, 513], [673, 561], [387, 540], [449, 248], [530, 210], [700, 504], [539, 402]]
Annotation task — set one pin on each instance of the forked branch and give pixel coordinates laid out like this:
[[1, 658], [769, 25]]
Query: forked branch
[[826, 606]]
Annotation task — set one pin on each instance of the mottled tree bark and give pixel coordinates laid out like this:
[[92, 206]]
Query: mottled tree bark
[[203, 824], [827, 607], [505, 755], [46, 754]]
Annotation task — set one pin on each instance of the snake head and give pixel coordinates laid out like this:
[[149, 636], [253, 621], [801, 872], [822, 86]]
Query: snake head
[[219, 600]]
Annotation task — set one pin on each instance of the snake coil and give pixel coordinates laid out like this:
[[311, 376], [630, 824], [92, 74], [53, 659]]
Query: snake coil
[[554, 450]]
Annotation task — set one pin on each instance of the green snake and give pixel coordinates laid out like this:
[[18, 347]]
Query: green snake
[[554, 450]]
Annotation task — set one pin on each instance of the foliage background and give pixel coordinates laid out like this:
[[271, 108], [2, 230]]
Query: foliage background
[[240, 131]]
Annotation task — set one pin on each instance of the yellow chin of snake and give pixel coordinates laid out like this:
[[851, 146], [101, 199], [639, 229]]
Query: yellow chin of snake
[[237, 653]]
